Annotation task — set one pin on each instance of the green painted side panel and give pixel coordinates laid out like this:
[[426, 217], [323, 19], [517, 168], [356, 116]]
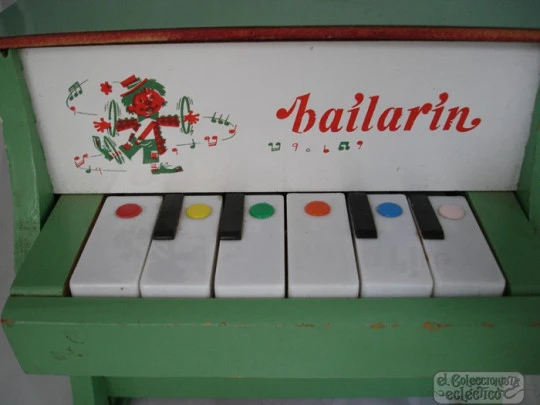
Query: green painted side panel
[[48, 265], [529, 181], [89, 391], [286, 339], [30, 183], [512, 239], [26, 17], [269, 388]]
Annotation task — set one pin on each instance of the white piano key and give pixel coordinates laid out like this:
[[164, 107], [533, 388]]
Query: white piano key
[[184, 267], [321, 259], [114, 255], [254, 267], [394, 264], [462, 264]]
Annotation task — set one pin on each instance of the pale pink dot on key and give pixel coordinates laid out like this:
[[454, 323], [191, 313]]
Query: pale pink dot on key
[[451, 211]]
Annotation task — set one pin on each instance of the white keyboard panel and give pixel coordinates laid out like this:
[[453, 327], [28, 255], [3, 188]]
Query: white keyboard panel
[[462, 263], [255, 265], [113, 258], [312, 245], [321, 261], [184, 267], [393, 264]]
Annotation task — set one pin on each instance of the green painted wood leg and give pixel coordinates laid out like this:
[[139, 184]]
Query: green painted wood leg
[[89, 391]]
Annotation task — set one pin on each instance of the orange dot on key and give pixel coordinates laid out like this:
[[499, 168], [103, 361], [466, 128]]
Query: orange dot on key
[[317, 208]]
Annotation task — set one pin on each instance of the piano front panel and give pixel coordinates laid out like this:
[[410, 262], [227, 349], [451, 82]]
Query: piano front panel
[[285, 116], [300, 246]]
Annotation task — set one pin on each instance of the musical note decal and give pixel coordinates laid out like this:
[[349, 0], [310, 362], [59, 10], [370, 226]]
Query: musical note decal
[[295, 146], [232, 131], [211, 141], [79, 161], [359, 143], [74, 91], [275, 147], [223, 121], [325, 149], [219, 120], [344, 145]]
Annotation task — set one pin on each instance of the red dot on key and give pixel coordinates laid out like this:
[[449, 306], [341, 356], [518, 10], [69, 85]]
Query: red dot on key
[[127, 211]]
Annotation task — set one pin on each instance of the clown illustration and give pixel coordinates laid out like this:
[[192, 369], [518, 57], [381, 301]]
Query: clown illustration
[[131, 125], [144, 99]]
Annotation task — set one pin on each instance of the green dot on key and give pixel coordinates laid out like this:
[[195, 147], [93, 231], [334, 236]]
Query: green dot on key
[[261, 210]]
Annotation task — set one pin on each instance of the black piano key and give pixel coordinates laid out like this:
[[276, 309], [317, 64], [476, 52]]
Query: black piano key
[[232, 217], [168, 217], [426, 218], [361, 215]]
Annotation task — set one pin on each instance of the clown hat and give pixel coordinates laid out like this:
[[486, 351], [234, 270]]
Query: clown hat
[[132, 83]]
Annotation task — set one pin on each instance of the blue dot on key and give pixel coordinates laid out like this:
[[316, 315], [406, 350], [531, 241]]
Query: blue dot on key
[[389, 210]]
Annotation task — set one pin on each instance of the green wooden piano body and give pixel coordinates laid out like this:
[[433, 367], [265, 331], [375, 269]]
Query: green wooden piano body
[[287, 348]]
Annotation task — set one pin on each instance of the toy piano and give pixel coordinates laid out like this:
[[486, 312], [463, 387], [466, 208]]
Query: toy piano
[[251, 199]]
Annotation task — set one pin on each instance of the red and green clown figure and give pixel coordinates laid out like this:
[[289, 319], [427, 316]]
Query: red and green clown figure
[[144, 99]]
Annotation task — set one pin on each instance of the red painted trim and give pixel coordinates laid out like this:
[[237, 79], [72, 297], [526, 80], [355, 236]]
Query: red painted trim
[[274, 34]]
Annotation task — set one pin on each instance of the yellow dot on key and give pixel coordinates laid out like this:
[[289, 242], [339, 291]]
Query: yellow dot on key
[[198, 211]]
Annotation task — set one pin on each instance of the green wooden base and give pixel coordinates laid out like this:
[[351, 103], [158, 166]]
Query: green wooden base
[[279, 348]]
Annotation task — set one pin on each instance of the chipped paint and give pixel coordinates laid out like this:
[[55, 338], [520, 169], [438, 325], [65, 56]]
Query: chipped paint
[[435, 326], [305, 325], [394, 325], [58, 356], [488, 325], [534, 324], [7, 322], [378, 325], [62, 356], [73, 340], [327, 325]]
